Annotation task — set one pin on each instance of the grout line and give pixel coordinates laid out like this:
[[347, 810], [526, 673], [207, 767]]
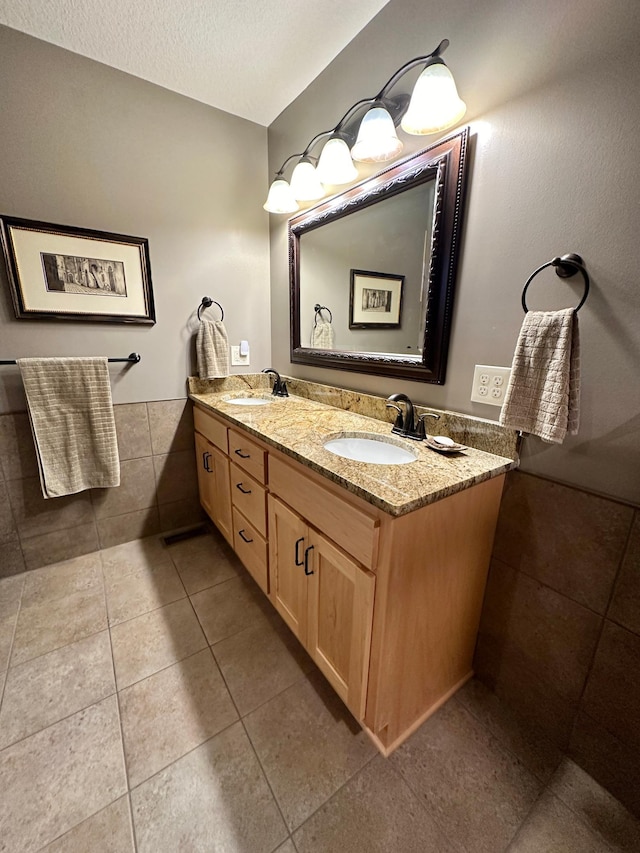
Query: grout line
[[514, 837], [84, 819], [11, 644]]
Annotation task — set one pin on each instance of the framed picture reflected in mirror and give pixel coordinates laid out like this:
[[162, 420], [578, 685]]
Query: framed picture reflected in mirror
[[375, 300]]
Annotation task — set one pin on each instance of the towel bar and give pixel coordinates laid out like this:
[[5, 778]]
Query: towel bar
[[132, 358], [566, 266]]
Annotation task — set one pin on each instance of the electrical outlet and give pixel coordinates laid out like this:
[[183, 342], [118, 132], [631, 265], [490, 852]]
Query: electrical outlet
[[490, 384], [236, 358]]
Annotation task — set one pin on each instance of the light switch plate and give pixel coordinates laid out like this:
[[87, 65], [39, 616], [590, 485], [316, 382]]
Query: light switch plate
[[490, 384], [237, 359]]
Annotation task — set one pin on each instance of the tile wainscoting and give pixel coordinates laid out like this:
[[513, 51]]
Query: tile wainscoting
[[158, 489], [559, 639]]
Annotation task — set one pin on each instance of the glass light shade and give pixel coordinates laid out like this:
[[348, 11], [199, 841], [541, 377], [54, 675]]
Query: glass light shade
[[435, 104], [305, 183], [377, 139], [280, 198], [335, 165]]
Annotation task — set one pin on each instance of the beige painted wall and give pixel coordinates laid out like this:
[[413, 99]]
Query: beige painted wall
[[84, 144], [553, 108]]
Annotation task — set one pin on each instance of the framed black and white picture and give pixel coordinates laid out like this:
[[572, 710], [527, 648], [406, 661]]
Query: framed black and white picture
[[57, 272], [375, 300]]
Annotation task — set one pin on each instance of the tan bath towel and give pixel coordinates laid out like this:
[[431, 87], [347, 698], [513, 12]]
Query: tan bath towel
[[322, 335], [71, 416], [212, 349], [543, 396]]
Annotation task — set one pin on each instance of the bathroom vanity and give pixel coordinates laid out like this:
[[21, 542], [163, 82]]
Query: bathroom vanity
[[379, 570]]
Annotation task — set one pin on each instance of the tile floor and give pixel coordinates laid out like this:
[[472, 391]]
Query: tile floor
[[153, 701]]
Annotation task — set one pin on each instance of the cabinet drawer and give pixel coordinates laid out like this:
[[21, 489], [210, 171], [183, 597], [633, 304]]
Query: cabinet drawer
[[251, 547], [349, 527], [250, 498], [211, 428], [247, 454]]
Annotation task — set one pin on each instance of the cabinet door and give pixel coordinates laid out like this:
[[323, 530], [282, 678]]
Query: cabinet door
[[288, 538], [206, 474], [221, 503], [340, 616]]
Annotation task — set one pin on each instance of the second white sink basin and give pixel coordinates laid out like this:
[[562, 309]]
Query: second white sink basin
[[250, 401], [378, 450]]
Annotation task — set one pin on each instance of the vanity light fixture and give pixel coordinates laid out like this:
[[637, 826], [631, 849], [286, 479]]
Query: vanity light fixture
[[434, 106]]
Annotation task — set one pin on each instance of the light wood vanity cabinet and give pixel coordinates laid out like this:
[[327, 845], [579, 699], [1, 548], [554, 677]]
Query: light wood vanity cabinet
[[213, 484], [387, 607]]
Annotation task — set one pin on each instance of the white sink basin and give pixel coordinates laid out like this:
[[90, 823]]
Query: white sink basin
[[250, 401], [378, 450]]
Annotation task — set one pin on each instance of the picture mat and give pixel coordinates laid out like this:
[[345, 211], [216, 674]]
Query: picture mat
[[360, 282]]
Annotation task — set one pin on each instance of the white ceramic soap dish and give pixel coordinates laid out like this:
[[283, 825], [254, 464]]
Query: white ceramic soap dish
[[443, 444]]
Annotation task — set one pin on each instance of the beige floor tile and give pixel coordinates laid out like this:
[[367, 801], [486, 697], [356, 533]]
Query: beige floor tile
[[598, 809], [10, 595], [478, 792], [108, 831], [287, 847], [142, 591], [121, 560], [169, 713], [214, 798], [260, 662], [80, 574], [44, 627], [308, 744], [46, 689], [230, 607], [204, 562], [375, 812], [155, 640], [60, 776], [7, 629], [529, 743], [553, 828]]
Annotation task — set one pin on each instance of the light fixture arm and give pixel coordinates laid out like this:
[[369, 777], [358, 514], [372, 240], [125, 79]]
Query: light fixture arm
[[429, 59]]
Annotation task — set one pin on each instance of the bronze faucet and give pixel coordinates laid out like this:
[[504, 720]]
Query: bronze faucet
[[405, 425]]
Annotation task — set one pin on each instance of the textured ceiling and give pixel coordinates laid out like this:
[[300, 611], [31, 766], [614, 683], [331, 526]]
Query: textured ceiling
[[248, 57]]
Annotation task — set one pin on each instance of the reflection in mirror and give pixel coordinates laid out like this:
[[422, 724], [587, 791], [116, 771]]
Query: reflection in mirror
[[353, 267], [380, 260]]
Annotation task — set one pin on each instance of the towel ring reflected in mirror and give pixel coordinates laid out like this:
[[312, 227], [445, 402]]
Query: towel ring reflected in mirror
[[566, 266], [207, 302], [318, 308]]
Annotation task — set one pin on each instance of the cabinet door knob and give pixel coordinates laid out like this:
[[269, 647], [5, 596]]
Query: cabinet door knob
[[307, 571], [244, 491], [242, 455], [243, 537], [299, 542], [205, 462]]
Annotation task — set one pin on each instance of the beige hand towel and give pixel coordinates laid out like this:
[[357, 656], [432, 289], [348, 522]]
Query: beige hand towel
[[212, 349], [322, 335], [74, 431], [543, 396]]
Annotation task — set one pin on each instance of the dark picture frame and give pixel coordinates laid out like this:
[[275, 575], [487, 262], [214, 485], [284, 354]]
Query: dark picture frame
[[62, 272], [375, 300]]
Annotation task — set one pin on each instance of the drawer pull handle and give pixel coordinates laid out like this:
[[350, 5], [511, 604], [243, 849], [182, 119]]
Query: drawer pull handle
[[242, 455], [244, 491], [306, 560], [243, 537], [299, 541], [205, 462]]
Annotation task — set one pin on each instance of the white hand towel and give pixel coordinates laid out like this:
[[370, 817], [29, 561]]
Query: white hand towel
[[74, 431], [212, 350], [543, 396], [322, 335]]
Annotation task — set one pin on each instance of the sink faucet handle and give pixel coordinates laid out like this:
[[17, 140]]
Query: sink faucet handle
[[421, 432], [399, 422]]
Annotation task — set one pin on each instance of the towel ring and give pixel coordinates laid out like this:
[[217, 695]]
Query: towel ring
[[207, 302], [566, 266], [318, 308]]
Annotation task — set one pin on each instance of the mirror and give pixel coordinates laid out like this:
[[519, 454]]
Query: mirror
[[372, 270]]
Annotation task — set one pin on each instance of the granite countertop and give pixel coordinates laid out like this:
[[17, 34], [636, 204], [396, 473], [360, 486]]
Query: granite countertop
[[298, 427]]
